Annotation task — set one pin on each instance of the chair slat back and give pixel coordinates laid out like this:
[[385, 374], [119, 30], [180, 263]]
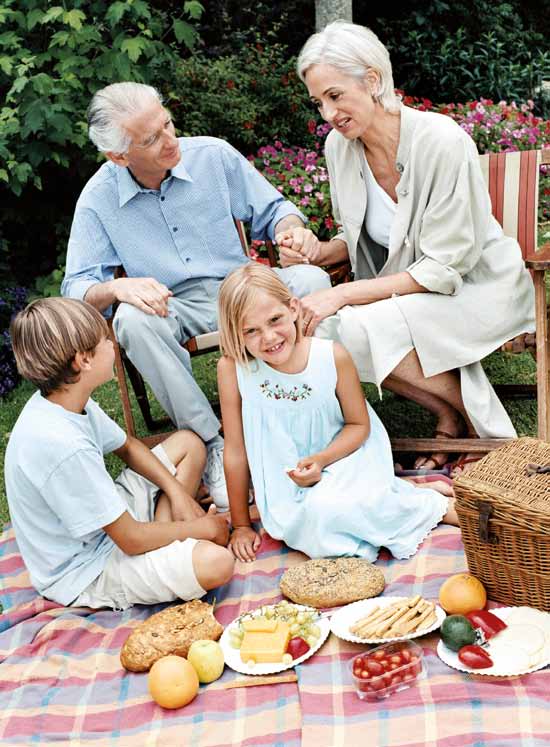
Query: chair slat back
[[513, 183]]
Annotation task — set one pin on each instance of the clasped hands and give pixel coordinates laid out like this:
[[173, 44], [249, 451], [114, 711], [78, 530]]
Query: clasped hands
[[307, 472]]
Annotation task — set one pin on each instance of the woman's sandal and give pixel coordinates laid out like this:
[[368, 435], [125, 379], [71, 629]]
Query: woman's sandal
[[441, 468], [460, 463]]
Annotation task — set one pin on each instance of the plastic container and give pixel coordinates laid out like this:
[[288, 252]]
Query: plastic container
[[386, 669]]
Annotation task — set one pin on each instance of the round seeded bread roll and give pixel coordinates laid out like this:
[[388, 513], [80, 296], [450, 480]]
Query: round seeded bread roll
[[329, 583], [171, 631]]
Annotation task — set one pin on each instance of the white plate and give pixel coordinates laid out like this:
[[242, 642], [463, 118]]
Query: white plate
[[341, 621], [232, 655], [451, 657]]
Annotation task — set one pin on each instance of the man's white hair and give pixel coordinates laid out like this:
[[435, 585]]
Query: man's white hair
[[110, 106], [353, 50]]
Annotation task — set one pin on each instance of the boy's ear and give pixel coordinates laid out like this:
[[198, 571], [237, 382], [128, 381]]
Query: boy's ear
[[119, 158], [82, 362]]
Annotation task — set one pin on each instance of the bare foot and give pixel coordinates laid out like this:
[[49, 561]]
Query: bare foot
[[441, 486], [451, 516]]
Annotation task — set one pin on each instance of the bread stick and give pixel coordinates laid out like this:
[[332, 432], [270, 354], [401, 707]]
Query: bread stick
[[408, 617], [387, 624], [374, 620], [413, 624]]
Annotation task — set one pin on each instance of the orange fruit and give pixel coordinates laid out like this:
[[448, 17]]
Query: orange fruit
[[173, 682], [462, 593]]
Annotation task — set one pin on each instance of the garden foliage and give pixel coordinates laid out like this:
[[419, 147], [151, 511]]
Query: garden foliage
[[12, 300]]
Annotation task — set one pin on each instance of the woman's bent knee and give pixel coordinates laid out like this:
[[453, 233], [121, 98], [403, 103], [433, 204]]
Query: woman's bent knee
[[213, 565]]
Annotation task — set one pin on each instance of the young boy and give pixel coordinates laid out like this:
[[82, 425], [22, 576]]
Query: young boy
[[86, 540]]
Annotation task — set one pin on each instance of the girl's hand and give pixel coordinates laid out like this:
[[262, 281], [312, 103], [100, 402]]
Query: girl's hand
[[244, 543], [317, 306], [306, 473]]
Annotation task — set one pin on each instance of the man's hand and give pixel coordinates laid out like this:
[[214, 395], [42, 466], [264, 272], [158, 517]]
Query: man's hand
[[298, 245], [317, 306], [306, 473], [244, 543], [146, 294], [184, 507]]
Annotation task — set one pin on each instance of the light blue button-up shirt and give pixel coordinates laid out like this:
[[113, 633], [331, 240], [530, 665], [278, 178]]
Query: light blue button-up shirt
[[183, 230]]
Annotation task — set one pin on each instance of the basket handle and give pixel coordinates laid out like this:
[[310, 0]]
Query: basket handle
[[485, 511]]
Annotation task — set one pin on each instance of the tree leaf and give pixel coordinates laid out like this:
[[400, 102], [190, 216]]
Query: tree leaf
[[35, 16], [133, 48], [184, 32], [115, 13], [52, 14], [4, 175], [74, 18], [193, 8], [6, 64]]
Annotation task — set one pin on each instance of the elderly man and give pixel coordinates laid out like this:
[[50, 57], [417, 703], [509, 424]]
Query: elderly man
[[163, 207]]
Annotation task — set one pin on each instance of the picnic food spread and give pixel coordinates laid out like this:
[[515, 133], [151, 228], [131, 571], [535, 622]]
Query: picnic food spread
[[171, 631], [332, 582], [386, 669], [397, 619], [279, 633]]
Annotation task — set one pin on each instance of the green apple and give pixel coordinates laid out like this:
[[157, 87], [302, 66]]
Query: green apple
[[207, 660]]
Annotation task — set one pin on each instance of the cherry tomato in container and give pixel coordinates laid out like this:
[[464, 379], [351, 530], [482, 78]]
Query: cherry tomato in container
[[386, 669]]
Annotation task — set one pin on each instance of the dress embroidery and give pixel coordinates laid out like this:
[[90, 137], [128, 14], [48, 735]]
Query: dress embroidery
[[277, 391]]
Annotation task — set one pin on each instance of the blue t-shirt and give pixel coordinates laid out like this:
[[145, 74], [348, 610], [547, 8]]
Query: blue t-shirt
[[60, 494]]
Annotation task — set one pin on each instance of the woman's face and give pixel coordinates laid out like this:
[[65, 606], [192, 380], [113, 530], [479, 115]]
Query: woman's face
[[345, 102]]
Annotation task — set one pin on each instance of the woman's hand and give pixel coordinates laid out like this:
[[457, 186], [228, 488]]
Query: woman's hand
[[298, 245], [244, 543], [317, 306], [306, 473]]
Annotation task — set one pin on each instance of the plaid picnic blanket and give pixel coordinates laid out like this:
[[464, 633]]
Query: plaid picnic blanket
[[61, 681]]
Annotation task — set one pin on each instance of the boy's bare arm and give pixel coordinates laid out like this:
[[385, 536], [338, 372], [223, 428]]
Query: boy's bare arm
[[141, 459], [136, 537]]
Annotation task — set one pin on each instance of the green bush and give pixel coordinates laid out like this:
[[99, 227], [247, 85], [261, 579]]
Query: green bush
[[249, 98]]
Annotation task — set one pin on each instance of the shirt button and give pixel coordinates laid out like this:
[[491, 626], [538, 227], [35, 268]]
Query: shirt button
[[188, 259], [399, 167], [175, 229], [162, 199], [405, 192]]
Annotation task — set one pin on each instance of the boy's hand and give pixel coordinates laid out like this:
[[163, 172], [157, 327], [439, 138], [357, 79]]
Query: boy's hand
[[184, 506], [216, 526], [244, 543], [306, 473]]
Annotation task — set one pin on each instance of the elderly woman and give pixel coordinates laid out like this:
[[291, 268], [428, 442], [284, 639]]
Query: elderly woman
[[437, 284]]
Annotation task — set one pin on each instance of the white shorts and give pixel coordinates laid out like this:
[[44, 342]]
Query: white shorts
[[161, 575]]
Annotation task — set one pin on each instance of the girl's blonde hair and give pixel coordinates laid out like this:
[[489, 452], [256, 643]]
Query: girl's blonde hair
[[237, 294], [47, 335]]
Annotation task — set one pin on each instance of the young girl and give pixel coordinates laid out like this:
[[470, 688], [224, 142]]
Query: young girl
[[294, 414]]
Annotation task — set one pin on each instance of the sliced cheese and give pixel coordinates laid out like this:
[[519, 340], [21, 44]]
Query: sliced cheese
[[506, 658], [265, 647], [529, 638], [260, 625]]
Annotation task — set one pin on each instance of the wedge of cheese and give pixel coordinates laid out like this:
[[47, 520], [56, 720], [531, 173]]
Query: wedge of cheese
[[260, 625], [265, 647]]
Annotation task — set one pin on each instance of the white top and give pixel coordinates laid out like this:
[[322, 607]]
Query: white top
[[60, 494], [380, 211]]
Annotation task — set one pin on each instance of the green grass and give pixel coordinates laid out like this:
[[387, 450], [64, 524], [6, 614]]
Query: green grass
[[401, 418]]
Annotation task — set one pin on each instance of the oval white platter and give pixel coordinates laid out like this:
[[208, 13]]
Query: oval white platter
[[232, 655], [341, 621], [451, 657]]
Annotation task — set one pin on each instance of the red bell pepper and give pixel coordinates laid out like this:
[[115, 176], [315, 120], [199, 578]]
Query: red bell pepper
[[475, 657], [485, 621]]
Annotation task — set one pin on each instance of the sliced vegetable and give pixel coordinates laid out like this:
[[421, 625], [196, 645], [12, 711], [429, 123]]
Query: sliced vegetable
[[475, 657], [487, 622]]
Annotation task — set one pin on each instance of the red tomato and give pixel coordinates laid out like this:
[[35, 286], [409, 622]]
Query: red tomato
[[375, 668], [385, 663], [396, 659], [358, 662], [387, 678], [408, 676], [364, 674], [377, 684], [406, 655], [397, 679], [379, 655]]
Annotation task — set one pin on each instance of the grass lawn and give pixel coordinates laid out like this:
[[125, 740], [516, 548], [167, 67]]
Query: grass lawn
[[401, 418]]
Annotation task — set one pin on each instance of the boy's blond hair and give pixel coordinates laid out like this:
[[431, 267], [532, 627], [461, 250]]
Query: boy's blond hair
[[237, 294], [47, 335]]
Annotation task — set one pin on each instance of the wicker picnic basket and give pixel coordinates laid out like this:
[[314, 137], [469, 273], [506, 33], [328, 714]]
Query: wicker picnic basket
[[503, 507]]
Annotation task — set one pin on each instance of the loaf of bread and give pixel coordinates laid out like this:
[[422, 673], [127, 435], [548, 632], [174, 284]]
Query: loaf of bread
[[171, 631], [329, 583]]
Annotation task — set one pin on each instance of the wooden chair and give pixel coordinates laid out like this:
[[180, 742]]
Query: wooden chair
[[513, 183], [199, 345]]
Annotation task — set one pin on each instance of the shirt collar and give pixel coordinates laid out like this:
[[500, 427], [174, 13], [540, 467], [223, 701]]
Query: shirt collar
[[128, 187]]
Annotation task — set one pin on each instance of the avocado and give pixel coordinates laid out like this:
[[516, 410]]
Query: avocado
[[457, 631]]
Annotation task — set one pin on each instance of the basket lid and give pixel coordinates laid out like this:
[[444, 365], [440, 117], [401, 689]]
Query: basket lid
[[503, 474]]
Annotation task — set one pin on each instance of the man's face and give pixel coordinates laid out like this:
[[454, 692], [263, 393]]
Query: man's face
[[154, 148]]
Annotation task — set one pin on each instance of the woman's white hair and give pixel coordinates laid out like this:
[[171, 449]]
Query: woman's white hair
[[110, 106], [353, 50]]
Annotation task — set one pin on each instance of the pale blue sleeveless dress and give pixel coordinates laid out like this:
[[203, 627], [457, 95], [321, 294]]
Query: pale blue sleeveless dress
[[359, 505]]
